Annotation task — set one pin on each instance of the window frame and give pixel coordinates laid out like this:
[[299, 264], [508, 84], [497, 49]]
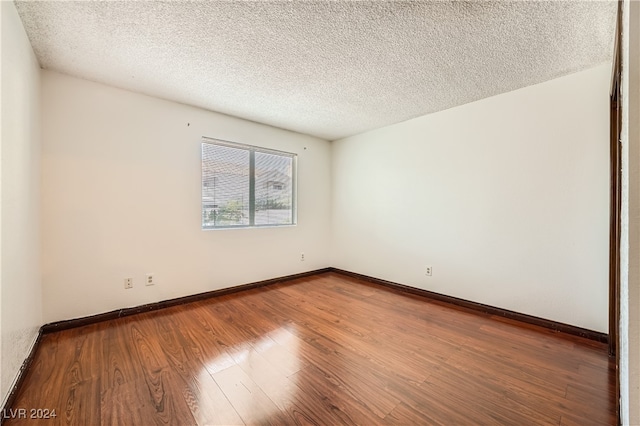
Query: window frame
[[252, 149]]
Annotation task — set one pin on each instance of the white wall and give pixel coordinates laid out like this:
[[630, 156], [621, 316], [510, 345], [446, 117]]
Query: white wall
[[20, 283], [121, 196], [629, 369], [506, 198]]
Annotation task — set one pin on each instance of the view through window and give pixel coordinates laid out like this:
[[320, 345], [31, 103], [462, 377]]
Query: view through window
[[244, 186]]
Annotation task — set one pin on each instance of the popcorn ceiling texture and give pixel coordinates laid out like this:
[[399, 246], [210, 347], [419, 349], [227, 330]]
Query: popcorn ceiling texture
[[328, 69]]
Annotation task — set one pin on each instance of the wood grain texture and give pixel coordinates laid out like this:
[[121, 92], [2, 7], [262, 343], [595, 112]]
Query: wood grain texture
[[486, 309], [326, 349], [119, 313]]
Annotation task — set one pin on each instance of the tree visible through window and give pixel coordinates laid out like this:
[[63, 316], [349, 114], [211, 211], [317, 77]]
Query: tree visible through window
[[245, 186]]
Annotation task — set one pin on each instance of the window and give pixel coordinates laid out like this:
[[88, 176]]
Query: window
[[245, 186]]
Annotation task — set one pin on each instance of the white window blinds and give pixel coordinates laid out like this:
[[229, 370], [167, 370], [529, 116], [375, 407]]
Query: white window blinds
[[245, 186]]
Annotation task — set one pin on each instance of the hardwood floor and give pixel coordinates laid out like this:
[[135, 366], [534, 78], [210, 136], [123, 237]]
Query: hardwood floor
[[321, 350]]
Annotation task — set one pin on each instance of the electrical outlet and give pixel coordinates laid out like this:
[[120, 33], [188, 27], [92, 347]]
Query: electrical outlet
[[301, 257], [128, 283], [149, 279], [429, 271]]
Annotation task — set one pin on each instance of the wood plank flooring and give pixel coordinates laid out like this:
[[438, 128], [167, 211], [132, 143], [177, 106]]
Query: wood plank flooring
[[323, 350]]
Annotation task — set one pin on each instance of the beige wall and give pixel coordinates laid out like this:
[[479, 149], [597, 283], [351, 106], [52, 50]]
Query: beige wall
[[121, 196], [506, 198], [20, 279]]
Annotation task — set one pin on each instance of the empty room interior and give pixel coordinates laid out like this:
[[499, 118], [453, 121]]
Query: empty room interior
[[320, 212]]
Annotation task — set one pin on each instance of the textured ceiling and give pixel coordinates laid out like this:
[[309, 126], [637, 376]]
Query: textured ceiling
[[329, 69]]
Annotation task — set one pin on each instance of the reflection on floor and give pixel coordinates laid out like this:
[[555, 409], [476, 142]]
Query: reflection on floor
[[321, 350]]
